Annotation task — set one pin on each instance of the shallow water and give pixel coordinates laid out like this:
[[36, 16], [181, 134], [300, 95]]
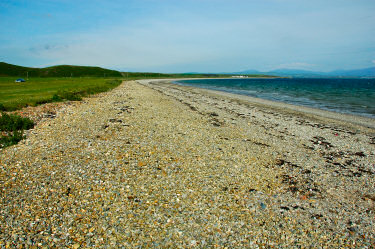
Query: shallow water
[[352, 96]]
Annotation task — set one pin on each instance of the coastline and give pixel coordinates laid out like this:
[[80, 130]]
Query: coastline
[[356, 121], [155, 164]]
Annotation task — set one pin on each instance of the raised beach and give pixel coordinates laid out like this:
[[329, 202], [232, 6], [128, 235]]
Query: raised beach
[[153, 164]]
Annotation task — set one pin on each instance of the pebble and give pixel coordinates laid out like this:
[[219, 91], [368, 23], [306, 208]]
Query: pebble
[[163, 182]]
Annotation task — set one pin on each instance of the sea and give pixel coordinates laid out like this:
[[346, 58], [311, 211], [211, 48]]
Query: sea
[[349, 96]]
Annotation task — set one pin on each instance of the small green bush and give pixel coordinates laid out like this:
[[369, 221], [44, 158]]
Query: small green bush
[[12, 127], [56, 98], [41, 102], [14, 122], [2, 107], [73, 96], [11, 139]]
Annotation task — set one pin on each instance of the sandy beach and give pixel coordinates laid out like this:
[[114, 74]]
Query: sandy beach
[[154, 164]]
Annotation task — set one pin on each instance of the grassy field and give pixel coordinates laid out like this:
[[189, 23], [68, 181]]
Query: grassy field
[[43, 90]]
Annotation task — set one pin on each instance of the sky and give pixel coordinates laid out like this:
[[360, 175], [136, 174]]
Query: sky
[[175, 36]]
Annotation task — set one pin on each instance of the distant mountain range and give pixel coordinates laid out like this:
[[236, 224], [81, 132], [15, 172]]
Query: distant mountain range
[[366, 72], [7, 69], [56, 71]]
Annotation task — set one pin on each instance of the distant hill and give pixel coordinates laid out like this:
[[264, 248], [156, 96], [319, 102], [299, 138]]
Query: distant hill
[[56, 71], [366, 72], [295, 73], [250, 71]]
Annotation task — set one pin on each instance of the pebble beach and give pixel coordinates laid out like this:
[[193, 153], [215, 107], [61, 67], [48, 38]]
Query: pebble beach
[[152, 164]]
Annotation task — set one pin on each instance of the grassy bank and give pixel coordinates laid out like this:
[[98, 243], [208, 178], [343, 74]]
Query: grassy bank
[[36, 91]]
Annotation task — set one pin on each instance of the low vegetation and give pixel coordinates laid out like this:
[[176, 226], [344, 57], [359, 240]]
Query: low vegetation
[[37, 91], [12, 128]]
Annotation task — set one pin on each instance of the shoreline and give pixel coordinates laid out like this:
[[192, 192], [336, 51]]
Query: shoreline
[[348, 120], [154, 164], [358, 119]]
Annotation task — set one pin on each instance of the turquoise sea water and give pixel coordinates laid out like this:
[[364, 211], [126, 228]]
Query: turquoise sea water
[[352, 96]]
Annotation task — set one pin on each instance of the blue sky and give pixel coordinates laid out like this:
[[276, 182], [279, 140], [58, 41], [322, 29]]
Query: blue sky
[[189, 35]]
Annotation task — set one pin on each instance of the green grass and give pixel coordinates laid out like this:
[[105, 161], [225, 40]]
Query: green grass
[[37, 91]]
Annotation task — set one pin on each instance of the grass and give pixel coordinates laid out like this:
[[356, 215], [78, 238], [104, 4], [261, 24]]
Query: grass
[[12, 128], [37, 91]]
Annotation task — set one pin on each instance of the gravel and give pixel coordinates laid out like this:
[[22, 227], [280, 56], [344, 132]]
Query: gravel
[[151, 164]]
